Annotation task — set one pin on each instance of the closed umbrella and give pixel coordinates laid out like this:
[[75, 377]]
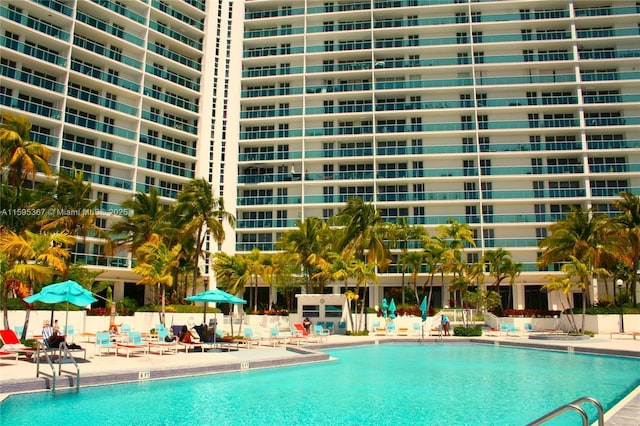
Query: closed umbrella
[[384, 308], [68, 291], [423, 308], [392, 309]]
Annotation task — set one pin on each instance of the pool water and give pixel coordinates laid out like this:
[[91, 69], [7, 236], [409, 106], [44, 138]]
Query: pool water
[[393, 384]]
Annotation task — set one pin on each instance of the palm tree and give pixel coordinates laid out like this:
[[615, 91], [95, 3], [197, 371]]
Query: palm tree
[[413, 261], [204, 214], [434, 250], [232, 273], [286, 276], [157, 264], [254, 267], [148, 217], [73, 209], [18, 153], [13, 199], [583, 271], [269, 268], [308, 242], [629, 228], [583, 234], [363, 273], [456, 235], [400, 233], [34, 259], [563, 285], [364, 232], [501, 266]]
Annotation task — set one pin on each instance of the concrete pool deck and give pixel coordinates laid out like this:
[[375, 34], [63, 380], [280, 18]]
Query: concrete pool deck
[[20, 376]]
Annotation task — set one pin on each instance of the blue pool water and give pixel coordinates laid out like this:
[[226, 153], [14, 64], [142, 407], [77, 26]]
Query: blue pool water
[[403, 384]]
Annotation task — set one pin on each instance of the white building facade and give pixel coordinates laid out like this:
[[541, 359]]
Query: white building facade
[[136, 94], [499, 114]]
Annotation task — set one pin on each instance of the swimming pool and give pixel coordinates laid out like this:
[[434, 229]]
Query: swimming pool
[[399, 384]]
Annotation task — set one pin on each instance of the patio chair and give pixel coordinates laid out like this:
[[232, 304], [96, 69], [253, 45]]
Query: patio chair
[[329, 327], [275, 338], [69, 332], [391, 329], [250, 338], [104, 343], [321, 332], [134, 345], [161, 345], [416, 329]]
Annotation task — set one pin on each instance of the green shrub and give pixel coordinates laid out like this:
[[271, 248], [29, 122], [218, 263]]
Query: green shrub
[[467, 331]]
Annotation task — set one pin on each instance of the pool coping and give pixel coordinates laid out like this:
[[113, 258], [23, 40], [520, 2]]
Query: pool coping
[[306, 354]]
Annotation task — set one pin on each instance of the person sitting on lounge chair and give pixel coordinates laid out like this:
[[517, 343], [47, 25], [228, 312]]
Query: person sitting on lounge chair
[[307, 324], [189, 335], [52, 334]]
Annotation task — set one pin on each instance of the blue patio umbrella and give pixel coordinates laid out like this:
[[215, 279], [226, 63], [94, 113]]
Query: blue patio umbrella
[[423, 308], [383, 308], [214, 296], [67, 291], [392, 309]]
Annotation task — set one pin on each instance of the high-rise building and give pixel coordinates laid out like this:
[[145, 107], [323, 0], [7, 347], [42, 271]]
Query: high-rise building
[[136, 94], [499, 114]]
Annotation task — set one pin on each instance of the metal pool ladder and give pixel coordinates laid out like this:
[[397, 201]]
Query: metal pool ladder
[[63, 353], [573, 405]]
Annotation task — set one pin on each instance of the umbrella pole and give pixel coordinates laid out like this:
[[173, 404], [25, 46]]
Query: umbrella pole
[[204, 314], [66, 320]]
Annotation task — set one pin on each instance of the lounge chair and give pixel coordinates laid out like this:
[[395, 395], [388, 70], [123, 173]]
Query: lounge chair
[[9, 355], [436, 331], [403, 331], [509, 329], [71, 347], [493, 332], [69, 332], [161, 345], [303, 332], [104, 343], [189, 341], [378, 330], [391, 329], [275, 338], [12, 344], [329, 327], [321, 333], [528, 328], [250, 338], [134, 345], [296, 336], [416, 329]]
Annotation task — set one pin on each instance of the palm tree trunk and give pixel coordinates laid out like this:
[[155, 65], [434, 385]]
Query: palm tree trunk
[[364, 299], [5, 309], [162, 306], [26, 324]]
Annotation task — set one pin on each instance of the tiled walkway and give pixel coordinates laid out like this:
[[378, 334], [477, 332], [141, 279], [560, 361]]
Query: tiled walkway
[[20, 376]]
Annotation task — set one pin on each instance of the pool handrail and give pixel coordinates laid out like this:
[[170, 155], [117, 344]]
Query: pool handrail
[[573, 405]]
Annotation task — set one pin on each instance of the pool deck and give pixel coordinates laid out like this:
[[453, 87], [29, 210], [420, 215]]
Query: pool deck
[[20, 376]]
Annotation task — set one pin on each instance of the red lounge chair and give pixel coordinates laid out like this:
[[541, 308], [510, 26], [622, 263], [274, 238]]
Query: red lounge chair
[[303, 332], [9, 355], [12, 344]]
